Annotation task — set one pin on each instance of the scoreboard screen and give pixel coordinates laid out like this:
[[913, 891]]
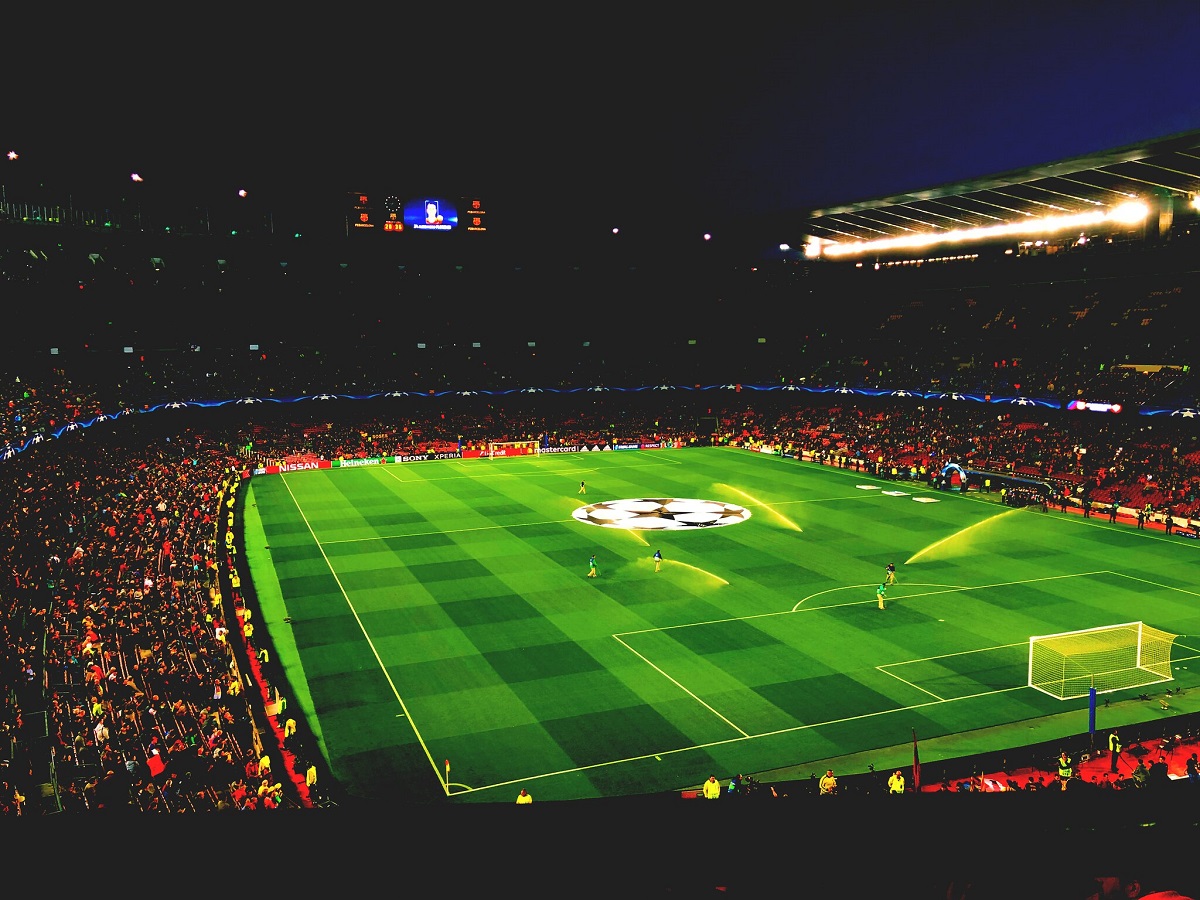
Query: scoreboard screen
[[394, 213], [431, 214]]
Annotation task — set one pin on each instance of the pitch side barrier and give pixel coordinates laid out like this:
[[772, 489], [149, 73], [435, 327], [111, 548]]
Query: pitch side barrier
[[302, 465], [356, 463]]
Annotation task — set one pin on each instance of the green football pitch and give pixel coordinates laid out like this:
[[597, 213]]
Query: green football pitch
[[440, 613]]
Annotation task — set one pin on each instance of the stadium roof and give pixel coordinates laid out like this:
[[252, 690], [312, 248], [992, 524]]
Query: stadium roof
[[1166, 167]]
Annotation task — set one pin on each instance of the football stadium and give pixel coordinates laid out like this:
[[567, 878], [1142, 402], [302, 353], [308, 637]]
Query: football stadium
[[347, 558]]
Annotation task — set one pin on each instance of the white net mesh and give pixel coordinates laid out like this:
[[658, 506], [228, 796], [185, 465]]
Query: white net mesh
[[1110, 658]]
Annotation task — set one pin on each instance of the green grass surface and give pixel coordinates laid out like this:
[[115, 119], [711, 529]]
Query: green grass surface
[[441, 611]]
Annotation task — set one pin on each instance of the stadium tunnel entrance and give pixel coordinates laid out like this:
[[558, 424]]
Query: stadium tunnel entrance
[[1017, 487]]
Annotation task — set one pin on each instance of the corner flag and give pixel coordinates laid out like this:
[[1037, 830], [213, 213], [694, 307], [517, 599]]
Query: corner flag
[[916, 764]]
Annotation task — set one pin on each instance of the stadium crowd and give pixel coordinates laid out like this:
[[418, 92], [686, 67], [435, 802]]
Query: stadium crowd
[[128, 677]]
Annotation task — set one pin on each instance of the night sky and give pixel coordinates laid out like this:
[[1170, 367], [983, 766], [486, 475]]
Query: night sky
[[641, 119]]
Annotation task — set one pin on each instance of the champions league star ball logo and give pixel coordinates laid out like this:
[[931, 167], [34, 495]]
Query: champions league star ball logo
[[661, 514]]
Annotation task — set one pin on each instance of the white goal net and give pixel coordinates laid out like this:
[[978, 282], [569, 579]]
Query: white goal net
[[1109, 658]]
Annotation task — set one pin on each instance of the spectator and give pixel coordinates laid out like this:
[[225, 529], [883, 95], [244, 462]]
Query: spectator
[[1138, 883], [827, 787], [310, 780], [1066, 769], [1158, 775]]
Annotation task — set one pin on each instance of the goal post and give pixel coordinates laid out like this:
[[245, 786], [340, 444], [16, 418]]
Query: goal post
[[1108, 658], [504, 449]]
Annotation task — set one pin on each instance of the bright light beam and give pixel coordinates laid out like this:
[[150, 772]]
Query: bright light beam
[[778, 515], [960, 533], [676, 562], [637, 533]]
